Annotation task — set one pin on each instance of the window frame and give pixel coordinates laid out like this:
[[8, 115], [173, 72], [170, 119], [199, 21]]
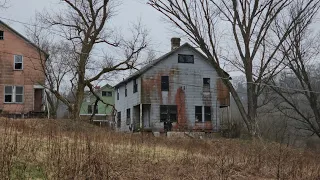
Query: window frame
[[125, 90], [119, 119], [14, 62], [165, 83], [167, 112], [1, 36], [135, 86], [128, 117], [89, 109], [13, 94], [182, 58], [198, 113], [206, 84], [206, 114], [118, 93]]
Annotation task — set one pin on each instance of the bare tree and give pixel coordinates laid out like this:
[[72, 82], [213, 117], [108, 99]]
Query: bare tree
[[3, 4], [83, 26], [256, 43], [300, 99]]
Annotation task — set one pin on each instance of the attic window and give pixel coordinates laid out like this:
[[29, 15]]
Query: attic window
[[1, 35], [183, 58]]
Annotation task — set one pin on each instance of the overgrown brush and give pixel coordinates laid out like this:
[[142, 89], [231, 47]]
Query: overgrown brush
[[44, 149]]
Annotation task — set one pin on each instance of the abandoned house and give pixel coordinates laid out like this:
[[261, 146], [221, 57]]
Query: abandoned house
[[103, 110], [21, 77], [179, 91]]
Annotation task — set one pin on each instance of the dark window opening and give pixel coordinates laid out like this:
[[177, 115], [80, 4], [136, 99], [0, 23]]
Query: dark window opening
[[164, 83], [206, 84], [183, 58], [118, 119], [125, 90], [1, 35], [106, 93], [128, 120], [89, 109], [207, 113], [198, 113], [135, 86], [117, 93], [168, 113]]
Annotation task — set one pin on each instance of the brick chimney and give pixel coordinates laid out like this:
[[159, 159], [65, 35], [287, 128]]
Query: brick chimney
[[175, 43]]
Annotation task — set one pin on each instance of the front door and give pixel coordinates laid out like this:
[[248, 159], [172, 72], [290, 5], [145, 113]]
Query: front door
[[38, 100]]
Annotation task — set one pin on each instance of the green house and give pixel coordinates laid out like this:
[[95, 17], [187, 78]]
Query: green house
[[103, 111]]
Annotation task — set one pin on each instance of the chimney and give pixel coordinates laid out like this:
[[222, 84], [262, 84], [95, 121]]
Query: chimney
[[175, 43]]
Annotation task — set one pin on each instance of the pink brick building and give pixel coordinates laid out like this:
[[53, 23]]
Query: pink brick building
[[21, 74]]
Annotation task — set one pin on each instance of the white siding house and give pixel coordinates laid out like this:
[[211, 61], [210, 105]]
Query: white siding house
[[179, 91]]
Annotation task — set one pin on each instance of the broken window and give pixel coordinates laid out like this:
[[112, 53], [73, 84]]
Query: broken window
[[128, 120], [18, 62], [106, 93], [118, 119], [135, 86], [13, 94], [183, 58], [198, 113], [206, 84], [164, 83], [168, 113], [207, 113], [1, 35]]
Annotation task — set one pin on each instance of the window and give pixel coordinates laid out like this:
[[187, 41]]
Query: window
[[206, 84], [1, 35], [164, 83], [106, 93], [207, 113], [135, 86], [18, 62], [13, 94], [198, 113], [183, 58], [125, 90], [117, 93], [118, 119], [89, 109], [128, 120], [168, 113]]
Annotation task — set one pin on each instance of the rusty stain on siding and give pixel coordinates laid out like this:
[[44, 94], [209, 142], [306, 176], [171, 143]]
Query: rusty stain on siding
[[223, 93], [180, 99]]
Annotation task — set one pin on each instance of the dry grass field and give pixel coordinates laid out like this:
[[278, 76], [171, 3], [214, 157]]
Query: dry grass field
[[51, 149]]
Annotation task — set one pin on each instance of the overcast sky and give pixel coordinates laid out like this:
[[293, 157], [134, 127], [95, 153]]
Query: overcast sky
[[128, 12]]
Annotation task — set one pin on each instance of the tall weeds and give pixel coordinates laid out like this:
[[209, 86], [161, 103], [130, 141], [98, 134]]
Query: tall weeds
[[42, 149]]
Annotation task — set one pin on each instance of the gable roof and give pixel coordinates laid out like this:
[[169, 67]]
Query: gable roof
[[24, 38], [153, 63]]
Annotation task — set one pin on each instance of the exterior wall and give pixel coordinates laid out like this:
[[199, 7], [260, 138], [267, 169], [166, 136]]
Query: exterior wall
[[185, 91], [124, 103], [103, 109], [28, 77]]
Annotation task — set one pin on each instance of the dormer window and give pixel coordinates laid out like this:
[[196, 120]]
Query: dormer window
[[18, 62], [183, 58], [1, 35]]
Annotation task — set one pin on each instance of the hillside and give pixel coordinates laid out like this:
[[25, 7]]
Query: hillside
[[48, 149]]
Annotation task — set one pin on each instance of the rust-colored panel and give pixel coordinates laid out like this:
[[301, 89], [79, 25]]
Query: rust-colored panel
[[223, 93], [180, 99]]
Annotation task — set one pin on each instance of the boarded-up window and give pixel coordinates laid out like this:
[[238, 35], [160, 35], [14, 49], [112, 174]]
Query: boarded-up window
[[207, 113], [128, 120], [1, 35], [183, 58], [164, 83], [18, 62], [198, 113], [168, 113]]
